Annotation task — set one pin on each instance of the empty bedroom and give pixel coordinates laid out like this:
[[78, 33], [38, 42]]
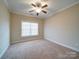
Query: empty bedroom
[[39, 29]]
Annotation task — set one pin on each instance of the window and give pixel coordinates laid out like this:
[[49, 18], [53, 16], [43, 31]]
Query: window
[[29, 29]]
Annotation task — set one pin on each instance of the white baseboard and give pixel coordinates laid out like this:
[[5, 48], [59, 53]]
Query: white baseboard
[[67, 46], [3, 52], [24, 41]]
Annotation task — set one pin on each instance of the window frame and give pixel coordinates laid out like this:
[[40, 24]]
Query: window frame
[[30, 29]]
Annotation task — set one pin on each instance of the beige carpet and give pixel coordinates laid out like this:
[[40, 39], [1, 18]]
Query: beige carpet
[[39, 49]]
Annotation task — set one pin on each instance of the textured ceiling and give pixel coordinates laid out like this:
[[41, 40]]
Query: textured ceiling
[[22, 6]]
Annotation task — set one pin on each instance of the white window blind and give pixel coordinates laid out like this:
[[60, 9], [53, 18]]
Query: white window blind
[[29, 29]]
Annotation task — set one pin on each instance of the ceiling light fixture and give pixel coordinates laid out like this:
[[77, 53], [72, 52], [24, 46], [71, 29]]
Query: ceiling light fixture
[[39, 7]]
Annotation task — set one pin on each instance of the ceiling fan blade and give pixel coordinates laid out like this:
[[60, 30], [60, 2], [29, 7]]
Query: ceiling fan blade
[[44, 11], [44, 6], [38, 4], [33, 5], [31, 10], [37, 14]]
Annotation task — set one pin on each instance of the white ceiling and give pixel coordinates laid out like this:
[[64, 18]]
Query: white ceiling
[[22, 7]]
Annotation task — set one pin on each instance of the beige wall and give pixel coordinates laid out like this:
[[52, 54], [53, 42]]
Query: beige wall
[[63, 28], [16, 28], [4, 28]]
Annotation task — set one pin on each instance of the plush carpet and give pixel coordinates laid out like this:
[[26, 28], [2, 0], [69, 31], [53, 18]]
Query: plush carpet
[[39, 49]]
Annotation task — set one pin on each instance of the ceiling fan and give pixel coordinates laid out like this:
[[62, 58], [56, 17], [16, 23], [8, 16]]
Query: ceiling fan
[[38, 7]]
